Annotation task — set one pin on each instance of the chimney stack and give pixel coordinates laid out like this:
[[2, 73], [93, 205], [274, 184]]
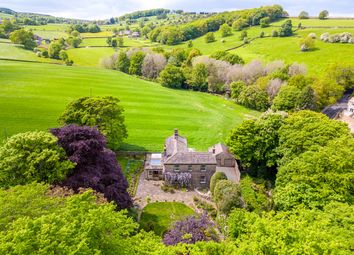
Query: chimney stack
[[176, 133]]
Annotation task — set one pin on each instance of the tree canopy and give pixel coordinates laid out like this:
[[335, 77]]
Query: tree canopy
[[105, 113], [96, 167], [32, 157]]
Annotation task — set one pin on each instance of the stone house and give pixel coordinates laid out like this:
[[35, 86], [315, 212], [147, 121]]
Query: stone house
[[177, 160]]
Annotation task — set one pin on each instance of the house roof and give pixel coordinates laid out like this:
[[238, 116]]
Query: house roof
[[175, 143], [204, 158], [219, 148]]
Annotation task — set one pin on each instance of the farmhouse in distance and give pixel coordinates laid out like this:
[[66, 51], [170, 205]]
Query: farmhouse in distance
[[178, 159]]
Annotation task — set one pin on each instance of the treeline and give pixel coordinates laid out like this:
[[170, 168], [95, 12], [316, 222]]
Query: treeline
[[36, 19], [255, 85], [146, 13], [84, 28], [176, 34]]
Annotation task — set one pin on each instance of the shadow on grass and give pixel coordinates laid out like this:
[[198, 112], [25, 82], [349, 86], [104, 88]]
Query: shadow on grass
[[150, 222], [126, 147]]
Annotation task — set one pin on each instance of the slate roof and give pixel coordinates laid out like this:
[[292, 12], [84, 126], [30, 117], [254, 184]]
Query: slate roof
[[176, 152], [190, 158], [175, 144]]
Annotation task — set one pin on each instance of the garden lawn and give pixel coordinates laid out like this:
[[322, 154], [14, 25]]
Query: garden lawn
[[160, 216], [33, 95]]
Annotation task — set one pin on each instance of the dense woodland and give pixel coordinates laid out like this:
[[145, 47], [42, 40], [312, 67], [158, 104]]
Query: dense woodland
[[62, 191]]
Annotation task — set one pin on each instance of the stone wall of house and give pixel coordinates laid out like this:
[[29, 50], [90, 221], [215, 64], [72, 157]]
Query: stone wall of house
[[198, 175], [225, 160]]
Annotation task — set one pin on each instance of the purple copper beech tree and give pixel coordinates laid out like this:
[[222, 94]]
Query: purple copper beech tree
[[96, 166]]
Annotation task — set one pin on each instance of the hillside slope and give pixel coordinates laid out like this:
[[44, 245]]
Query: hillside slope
[[33, 95]]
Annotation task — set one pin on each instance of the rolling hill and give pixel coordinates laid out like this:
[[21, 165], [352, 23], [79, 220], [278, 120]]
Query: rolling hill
[[32, 96]]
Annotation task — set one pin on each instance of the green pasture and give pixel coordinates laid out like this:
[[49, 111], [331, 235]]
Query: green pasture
[[160, 216], [320, 23], [12, 51], [288, 49], [49, 31], [89, 56], [33, 95]]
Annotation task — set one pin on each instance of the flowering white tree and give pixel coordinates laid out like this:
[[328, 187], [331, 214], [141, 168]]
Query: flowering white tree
[[153, 64], [296, 69]]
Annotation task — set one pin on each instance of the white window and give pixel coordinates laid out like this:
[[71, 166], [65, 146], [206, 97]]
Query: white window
[[176, 168], [190, 168], [203, 168], [202, 179]]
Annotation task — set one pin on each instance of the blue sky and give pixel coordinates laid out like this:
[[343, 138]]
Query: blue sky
[[101, 9]]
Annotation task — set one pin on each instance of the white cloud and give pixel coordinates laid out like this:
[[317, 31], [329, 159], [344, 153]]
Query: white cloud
[[101, 9]]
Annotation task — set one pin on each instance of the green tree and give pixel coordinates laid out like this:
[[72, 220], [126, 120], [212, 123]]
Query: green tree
[[109, 40], [240, 24], [228, 57], [225, 30], [323, 14], [120, 41], [30, 157], [199, 77], [255, 143], [78, 223], [136, 63], [123, 62], [54, 49], [254, 97], [307, 131], [236, 89], [209, 37], [26, 38], [286, 29], [307, 43], [227, 196], [105, 113], [300, 231], [264, 22], [217, 176], [190, 44], [172, 77], [63, 55], [243, 35], [317, 177], [114, 43], [74, 41], [304, 15]]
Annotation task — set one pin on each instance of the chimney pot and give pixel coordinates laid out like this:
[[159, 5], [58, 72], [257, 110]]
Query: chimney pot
[[176, 133]]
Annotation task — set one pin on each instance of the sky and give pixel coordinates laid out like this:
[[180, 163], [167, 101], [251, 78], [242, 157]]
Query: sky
[[103, 9]]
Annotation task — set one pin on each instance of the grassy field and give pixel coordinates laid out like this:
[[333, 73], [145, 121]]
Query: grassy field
[[49, 31], [12, 51], [161, 215], [318, 22], [33, 95], [285, 48], [288, 49], [89, 56]]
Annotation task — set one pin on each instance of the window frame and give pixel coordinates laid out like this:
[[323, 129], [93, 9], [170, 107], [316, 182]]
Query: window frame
[[176, 168]]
